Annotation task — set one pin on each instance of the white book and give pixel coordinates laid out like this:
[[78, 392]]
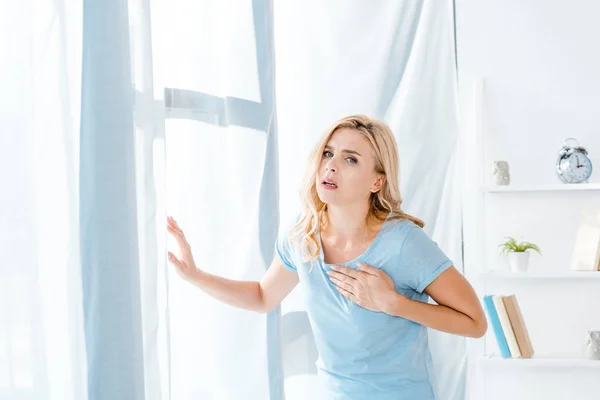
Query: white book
[[586, 252], [509, 333]]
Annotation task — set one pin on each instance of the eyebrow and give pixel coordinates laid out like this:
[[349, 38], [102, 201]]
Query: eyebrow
[[343, 150]]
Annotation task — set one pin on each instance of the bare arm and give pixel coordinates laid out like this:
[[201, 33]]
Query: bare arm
[[261, 296], [458, 310]]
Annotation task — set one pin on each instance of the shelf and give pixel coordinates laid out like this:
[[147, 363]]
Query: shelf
[[542, 361], [559, 187], [570, 275]]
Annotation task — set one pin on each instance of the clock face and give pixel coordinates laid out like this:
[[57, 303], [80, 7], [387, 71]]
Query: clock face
[[575, 169]]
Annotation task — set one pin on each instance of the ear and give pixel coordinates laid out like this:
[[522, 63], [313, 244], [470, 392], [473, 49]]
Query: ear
[[378, 184]]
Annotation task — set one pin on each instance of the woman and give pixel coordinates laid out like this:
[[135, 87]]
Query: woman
[[367, 268]]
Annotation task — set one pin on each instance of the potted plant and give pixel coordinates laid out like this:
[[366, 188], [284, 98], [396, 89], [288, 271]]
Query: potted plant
[[518, 256]]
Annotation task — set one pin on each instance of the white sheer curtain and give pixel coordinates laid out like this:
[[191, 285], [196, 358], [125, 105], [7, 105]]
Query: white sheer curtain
[[79, 318], [113, 339], [88, 308], [217, 65], [42, 353]]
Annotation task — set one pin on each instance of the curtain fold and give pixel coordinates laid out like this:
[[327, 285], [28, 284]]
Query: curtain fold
[[122, 174], [108, 207]]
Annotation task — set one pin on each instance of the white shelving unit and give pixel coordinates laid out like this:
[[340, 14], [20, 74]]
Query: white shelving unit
[[539, 275], [547, 188], [558, 361], [564, 361], [478, 196]]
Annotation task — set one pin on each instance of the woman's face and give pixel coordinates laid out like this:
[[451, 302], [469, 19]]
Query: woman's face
[[346, 174]]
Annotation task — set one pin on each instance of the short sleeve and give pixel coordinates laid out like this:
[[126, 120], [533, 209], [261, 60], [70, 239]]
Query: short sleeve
[[284, 249], [423, 258]]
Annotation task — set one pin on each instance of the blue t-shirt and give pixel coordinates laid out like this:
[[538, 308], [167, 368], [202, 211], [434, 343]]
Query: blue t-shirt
[[365, 354]]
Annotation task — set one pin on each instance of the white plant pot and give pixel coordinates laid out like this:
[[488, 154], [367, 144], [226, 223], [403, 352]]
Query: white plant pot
[[519, 261]]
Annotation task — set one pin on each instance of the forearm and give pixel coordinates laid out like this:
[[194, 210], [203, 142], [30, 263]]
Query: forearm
[[241, 294], [438, 317]]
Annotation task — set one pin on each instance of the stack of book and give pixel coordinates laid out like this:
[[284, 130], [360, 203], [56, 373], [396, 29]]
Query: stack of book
[[509, 326]]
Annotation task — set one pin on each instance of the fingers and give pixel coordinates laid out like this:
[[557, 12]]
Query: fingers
[[348, 294], [180, 237], [368, 269], [351, 273], [174, 229], [178, 263], [346, 286], [171, 223], [340, 277]]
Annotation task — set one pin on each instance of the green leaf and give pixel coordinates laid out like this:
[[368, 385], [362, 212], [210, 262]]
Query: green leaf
[[511, 245]]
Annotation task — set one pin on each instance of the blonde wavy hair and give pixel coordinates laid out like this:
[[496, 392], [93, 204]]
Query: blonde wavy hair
[[385, 203]]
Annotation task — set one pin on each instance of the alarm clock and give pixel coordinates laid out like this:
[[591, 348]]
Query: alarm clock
[[573, 164]]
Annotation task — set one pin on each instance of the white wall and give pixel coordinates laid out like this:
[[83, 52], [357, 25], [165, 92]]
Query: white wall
[[540, 64]]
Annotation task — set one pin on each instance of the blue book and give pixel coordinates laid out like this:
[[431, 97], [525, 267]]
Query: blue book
[[498, 332]]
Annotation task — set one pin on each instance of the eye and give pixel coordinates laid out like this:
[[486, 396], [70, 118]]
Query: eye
[[327, 153], [352, 160]]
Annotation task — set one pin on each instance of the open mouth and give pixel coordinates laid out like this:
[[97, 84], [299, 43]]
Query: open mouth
[[328, 183]]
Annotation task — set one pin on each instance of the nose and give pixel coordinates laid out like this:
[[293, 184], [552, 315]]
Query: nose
[[330, 165]]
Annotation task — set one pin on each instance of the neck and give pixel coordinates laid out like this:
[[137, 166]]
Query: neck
[[349, 221]]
